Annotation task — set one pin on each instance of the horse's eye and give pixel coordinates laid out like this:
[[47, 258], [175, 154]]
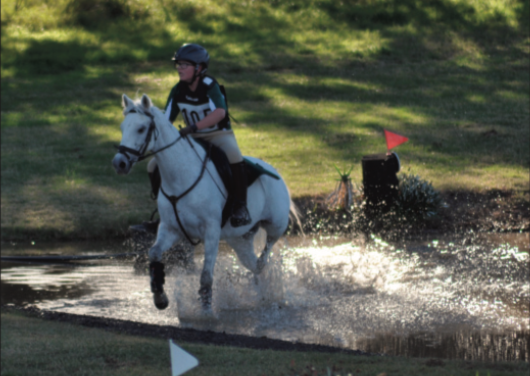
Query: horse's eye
[[141, 130]]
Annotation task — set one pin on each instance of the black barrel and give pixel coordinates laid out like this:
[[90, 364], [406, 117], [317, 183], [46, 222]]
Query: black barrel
[[380, 181]]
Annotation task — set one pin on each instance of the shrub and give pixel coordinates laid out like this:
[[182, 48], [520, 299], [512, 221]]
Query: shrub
[[36, 15], [417, 200], [415, 207], [91, 13]]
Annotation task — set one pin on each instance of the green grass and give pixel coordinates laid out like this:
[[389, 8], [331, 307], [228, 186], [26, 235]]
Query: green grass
[[312, 84], [33, 346]]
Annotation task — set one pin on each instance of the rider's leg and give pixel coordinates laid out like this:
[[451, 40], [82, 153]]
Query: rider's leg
[[240, 214], [226, 141], [150, 226], [154, 178]]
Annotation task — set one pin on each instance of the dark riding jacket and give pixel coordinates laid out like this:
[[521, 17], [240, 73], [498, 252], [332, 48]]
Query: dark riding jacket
[[196, 105]]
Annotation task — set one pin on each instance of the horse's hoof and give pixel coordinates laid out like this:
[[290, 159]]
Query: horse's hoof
[[206, 306], [161, 300], [205, 296], [207, 313]]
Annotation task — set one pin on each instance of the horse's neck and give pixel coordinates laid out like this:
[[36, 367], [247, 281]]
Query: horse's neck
[[179, 164]]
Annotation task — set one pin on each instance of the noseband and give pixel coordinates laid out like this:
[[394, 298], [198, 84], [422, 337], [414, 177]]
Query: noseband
[[122, 149]]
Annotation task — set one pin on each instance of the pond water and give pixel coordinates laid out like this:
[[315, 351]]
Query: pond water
[[466, 297]]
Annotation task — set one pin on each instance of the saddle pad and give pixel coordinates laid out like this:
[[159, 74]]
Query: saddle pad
[[219, 159]]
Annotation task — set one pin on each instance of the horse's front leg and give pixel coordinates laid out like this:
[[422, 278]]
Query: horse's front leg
[[164, 240], [211, 248]]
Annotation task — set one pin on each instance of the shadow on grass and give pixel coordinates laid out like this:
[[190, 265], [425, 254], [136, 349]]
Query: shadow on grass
[[465, 106], [59, 184]]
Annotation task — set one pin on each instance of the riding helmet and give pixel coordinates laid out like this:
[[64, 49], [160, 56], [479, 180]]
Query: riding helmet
[[195, 54]]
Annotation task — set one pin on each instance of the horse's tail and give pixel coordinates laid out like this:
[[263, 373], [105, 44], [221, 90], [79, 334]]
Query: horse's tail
[[294, 215]]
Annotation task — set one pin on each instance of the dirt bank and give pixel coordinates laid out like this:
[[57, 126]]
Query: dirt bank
[[491, 211]]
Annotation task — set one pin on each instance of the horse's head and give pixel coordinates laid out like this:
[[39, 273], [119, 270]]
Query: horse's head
[[137, 131]]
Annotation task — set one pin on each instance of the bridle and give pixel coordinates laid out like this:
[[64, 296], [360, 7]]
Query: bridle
[[141, 156], [122, 149]]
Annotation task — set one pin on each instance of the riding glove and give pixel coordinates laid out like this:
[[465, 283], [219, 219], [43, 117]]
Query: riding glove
[[192, 128]]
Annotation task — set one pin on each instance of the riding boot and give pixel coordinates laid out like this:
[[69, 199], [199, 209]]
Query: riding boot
[[240, 214]]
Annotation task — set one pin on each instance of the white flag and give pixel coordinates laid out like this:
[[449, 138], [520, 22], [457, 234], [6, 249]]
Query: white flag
[[181, 361]]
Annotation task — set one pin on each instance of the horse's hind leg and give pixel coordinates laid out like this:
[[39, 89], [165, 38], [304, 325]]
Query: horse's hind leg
[[274, 231], [265, 253], [164, 241], [244, 247]]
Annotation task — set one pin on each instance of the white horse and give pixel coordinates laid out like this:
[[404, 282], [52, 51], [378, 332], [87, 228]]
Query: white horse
[[192, 201]]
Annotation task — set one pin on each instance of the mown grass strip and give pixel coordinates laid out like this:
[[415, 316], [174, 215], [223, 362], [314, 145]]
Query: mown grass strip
[[41, 347]]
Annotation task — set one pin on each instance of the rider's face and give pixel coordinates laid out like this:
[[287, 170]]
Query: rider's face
[[186, 70]]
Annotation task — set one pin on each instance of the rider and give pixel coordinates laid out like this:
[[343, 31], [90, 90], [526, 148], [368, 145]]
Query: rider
[[204, 110]]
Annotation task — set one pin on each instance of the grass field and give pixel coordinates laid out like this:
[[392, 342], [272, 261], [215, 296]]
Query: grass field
[[311, 83], [33, 346]]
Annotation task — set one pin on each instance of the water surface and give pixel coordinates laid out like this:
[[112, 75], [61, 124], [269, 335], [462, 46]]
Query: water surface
[[466, 298]]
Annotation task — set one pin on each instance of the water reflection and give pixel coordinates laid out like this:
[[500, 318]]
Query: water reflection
[[436, 297]]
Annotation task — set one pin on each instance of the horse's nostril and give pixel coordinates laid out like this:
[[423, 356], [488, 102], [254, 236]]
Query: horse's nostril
[[122, 165]]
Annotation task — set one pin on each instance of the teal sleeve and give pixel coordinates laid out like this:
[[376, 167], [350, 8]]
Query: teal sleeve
[[214, 93]]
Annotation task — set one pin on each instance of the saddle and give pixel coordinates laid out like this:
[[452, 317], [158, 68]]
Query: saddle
[[220, 160]]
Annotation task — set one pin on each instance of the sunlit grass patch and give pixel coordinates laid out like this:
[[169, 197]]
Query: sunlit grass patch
[[312, 84]]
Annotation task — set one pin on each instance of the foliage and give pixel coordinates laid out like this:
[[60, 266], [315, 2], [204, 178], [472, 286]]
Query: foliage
[[363, 14], [91, 13], [416, 205], [38, 15], [341, 197], [417, 200], [344, 176]]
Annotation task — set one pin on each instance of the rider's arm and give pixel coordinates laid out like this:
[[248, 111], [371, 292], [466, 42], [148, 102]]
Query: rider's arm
[[212, 118]]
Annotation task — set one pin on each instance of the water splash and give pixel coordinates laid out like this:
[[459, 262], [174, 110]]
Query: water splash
[[326, 291]]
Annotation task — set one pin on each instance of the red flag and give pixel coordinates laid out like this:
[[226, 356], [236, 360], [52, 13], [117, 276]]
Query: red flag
[[394, 139]]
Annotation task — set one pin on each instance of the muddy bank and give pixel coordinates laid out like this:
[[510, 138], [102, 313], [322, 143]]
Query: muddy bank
[[464, 211], [489, 211]]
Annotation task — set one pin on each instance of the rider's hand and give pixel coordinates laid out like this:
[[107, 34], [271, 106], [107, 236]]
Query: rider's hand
[[192, 128]]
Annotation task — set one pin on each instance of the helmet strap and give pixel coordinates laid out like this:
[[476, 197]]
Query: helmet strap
[[195, 75], [193, 80]]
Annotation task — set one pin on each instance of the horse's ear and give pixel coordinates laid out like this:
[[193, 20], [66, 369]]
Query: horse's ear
[[126, 101], [146, 102]]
